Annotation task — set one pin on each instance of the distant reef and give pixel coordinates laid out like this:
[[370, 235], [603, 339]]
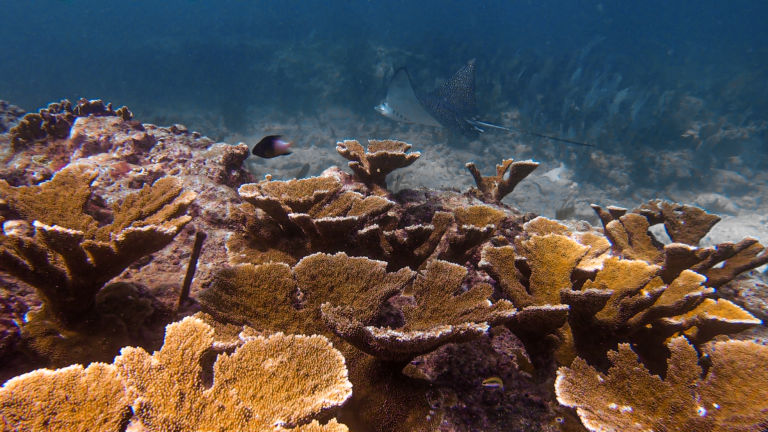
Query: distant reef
[[9, 115], [330, 303]]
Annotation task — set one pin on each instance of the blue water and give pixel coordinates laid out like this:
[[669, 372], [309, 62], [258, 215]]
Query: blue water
[[616, 73]]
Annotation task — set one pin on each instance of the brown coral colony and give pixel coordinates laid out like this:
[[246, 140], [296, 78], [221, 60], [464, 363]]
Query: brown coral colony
[[329, 303]]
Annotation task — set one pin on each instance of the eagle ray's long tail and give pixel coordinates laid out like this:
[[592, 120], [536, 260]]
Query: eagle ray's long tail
[[478, 123]]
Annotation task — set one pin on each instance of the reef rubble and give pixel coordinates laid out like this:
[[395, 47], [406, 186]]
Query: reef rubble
[[421, 310], [9, 115]]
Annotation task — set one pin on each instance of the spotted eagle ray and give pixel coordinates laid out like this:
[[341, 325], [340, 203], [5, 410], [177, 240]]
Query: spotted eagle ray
[[452, 105]]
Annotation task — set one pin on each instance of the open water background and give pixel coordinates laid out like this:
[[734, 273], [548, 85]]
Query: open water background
[[680, 76]]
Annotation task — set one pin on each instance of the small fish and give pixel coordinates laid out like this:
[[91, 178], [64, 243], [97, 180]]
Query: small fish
[[493, 382], [272, 146]]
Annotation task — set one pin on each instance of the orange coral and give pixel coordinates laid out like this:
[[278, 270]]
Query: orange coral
[[281, 198], [607, 300], [727, 260], [732, 396], [709, 319], [277, 383], [354, 282], [258, 295], [323, 214], [268, 383], [619, 291], [479, 215], [329, 228], [629, 235], [685, 225], [70, 257], [538, 297], [598, 246], [436, 317], [355, 291], [314, 215], [628, 301], [382, 157], [495, 188], [410, 246], [474, 225], [543, 226], [58, 201], [609, 213], [548, 262], [681, 295], [72, 399], [274, 297]]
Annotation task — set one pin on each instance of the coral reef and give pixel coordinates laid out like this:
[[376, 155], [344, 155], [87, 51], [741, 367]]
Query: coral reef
[[280, 383], [68, 399], [408, 246], [125, 156], [508, 175], [68, 257], [332, 212], [685, 226], [56, 120], [60, 250], [312, 215], [12, 311], [450, 310], [121, 157], [729, 396], [352, 295], [434, 317], [607, 299], [372, 166], [9, 115]]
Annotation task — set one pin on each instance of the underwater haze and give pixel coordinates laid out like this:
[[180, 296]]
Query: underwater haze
[[384, 215], [667, 91]]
